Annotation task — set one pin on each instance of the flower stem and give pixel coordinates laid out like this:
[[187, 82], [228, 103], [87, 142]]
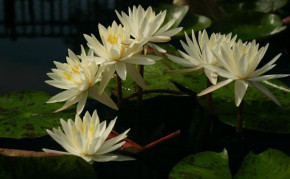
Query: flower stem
[[209, 98], [119, 87], [163, 139], [240, 118]]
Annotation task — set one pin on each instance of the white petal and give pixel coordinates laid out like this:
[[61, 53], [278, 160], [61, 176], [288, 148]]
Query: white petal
[[69, 103], [63, 96], [104, 158], [266, 92], [211, 75], [55, 151], [240, 90], [267, 77], [121, 70], [112, 148], [171, 32], [160, 39], [102, 98], [156, 48], [82, 102], [107, 76], [215, 87], [133, 72], [180, 61], [142, 60], [123, 158]]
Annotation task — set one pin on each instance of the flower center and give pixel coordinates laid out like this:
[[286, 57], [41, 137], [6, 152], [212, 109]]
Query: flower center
[[112, 37]]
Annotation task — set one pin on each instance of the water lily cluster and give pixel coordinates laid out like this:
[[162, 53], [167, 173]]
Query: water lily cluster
[[221, 55], [120, 48], [118, 52]]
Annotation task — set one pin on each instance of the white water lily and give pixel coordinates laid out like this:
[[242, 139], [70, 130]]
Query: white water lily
[[199, 53], [146, 27], [87, 139], [240, 63], [117, 56], [78, 79]]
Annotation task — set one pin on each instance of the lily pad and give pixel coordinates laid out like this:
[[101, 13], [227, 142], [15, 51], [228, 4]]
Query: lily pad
[[26, 114], [249, 25], [265, 6], [174, 12], [185, 19], [45, 167], [269, 164], [206, 165]]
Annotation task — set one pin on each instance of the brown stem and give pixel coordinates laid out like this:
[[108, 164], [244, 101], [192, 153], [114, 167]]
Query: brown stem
[[170, 136], [154, 91], [209, 98], [240, 118], [120, 94]]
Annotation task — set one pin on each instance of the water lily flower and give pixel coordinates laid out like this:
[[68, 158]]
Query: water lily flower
[[199, 53], [117, 56], [78, 78], [240, 64], [87, 139], [146, 27]]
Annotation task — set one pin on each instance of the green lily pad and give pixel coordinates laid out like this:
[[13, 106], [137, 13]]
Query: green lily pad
[[259, 112], [26, 114], [185, 19], [174, 12], [193, 22], [45, 167], [269, 164], [249, 25], [206, 165], [265, 6]]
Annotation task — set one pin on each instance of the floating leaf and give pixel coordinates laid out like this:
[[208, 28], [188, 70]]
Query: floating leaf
[[269, 164], [193, 22], [249, 25], [206, 165], [211, 165], [174, 12], [65, 166], [26, 114], [265, 6]]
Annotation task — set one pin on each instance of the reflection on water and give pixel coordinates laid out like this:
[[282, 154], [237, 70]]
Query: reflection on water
[[34, 33]]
